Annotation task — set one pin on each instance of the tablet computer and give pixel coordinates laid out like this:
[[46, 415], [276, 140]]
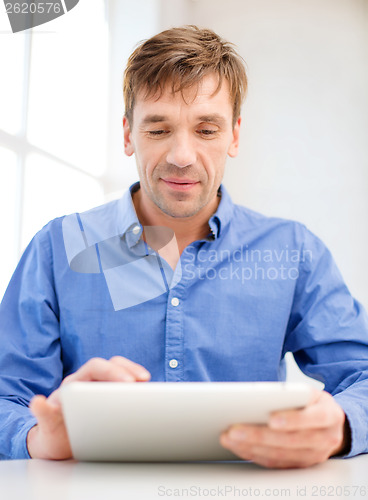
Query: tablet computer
[[167, 421]]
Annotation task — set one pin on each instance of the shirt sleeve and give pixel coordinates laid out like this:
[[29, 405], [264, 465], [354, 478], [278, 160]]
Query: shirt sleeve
[[30, 361], [328, 336]]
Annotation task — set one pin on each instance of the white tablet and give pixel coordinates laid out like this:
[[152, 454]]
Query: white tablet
[[167, 421]]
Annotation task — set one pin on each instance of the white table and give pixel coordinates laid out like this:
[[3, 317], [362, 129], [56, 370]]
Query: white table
[[70, 480]]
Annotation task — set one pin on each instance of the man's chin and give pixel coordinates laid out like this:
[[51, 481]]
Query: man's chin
[[180, 212]]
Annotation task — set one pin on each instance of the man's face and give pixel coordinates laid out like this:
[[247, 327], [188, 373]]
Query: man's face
[[181, 146]]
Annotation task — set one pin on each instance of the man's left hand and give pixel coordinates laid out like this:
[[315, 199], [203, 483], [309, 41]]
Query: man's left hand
[[293, 438]]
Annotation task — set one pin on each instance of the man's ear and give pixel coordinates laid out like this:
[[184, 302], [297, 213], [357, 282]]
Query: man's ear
[[234, 146], [128, 144]]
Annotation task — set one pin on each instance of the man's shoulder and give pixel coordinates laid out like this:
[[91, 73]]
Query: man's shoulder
[[98, 215], [252, 219], [276, 231]]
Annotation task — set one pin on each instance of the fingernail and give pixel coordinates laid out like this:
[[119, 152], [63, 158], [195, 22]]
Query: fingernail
[[237, 434], [56, 403], [54, 400], [144, 374], [277, 422]]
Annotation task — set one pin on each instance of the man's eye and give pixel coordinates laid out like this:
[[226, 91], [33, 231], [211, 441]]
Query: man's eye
[[156, 132], [205, 131]]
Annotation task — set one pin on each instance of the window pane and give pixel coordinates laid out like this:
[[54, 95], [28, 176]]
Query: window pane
[[51, 190], [11, 81], [68, 89], [8, 186]]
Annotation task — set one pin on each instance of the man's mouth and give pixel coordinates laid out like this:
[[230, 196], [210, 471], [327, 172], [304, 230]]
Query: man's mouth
[[179, 184]]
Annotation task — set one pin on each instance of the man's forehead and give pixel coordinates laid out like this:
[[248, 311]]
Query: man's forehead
[[205, 88], [206, 91]]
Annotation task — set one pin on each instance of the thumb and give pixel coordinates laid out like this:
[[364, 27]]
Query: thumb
[[315, 396], [47, 413]]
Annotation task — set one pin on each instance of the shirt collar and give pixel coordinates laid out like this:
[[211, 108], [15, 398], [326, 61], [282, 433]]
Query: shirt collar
[[128, 223], [130, 226], [221, 218]]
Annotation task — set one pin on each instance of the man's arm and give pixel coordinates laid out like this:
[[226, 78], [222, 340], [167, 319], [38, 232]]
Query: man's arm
[[31, 360], [48, 439], [30, 354], [328, 335]]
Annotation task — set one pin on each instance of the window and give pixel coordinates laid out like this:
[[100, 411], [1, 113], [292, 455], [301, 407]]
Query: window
[[53, 124]]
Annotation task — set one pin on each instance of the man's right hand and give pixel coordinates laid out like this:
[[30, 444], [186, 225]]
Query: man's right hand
[[48, 439]]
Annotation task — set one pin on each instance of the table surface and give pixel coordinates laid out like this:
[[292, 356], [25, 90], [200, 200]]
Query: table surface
[[71, 480]]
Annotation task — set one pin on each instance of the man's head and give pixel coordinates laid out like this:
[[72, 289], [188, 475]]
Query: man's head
[[183, 89], [181, 57]]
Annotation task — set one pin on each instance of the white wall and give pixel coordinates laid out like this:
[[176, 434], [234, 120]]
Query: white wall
[[129, 23]]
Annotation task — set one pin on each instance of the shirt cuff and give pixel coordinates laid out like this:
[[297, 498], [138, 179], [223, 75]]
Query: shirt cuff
[[357, 418], [19, 442]]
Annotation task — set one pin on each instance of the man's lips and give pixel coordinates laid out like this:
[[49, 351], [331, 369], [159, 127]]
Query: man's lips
[[179, 184]]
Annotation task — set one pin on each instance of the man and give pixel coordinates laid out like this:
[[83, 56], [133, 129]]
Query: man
[[174, 282]]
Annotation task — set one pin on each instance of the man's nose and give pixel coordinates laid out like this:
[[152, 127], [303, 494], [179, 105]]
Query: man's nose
[[181, 152]]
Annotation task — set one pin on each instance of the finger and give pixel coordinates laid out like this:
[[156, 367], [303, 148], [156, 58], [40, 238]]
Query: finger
[[247, 435], [138, 371], [39, 406], [275, 456], [99, 369], [280, 458], [323, 412], [54, 398]]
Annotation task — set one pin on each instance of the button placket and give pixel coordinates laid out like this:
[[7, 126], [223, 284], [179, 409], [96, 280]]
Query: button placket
[[174, 336]]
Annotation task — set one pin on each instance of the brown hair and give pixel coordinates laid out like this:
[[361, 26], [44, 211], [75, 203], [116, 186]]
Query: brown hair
[[183, 56]]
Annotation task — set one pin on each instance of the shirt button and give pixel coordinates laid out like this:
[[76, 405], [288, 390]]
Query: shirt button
[[136, 229], [175, 301], [173, 363]]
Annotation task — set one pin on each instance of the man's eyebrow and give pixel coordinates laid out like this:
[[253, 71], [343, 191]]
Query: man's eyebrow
[[153, 119], [213, 118]]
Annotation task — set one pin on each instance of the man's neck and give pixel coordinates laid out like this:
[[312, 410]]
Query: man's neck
[[186, 229]]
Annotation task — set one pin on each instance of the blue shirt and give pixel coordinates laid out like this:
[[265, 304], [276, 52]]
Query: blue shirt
[[254, 289]]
